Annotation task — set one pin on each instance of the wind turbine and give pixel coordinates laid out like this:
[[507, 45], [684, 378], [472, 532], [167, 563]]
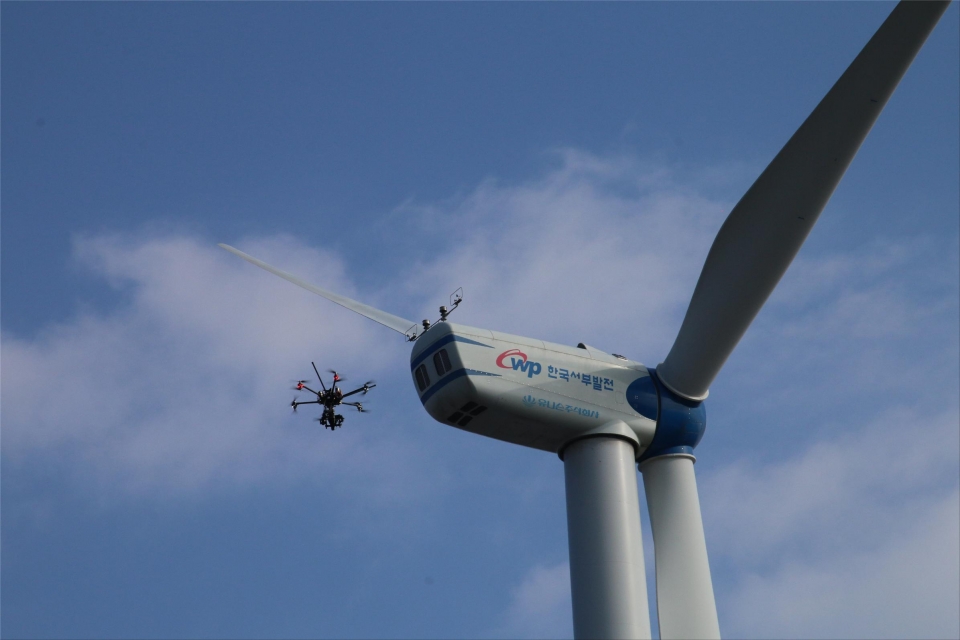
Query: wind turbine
[[602, 413]]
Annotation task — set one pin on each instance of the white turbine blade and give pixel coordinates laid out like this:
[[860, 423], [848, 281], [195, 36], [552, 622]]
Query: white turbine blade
[[386, 319], [685, 604], [765, 230]]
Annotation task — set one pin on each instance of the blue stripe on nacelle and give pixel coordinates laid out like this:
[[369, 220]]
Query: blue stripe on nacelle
[[447, 339], [450, 377]]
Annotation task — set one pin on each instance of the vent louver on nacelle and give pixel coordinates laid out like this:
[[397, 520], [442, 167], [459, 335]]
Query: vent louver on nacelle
[[467, 413]]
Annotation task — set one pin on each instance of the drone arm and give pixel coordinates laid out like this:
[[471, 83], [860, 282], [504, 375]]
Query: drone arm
[[386, 319], [767, 227], [355, 391], [323, 386]]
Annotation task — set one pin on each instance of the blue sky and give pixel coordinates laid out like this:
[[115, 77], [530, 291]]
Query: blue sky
[[569, 166]]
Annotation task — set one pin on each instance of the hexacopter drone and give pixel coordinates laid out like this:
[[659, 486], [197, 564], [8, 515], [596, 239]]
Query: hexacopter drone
[[331, 398]]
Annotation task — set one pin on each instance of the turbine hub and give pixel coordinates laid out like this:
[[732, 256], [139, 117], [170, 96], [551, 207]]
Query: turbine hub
[[680, 422]]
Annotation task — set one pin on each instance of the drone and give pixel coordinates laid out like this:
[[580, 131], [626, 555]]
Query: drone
[[331, 398]]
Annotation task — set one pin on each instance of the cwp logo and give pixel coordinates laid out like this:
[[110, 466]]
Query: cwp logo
[[519, 362]]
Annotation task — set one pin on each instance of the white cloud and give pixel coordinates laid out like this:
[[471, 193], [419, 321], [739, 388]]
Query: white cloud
[[907, 587], [599, 249], [848, 533], [852, 487], [540, 605], [179, 386], [858, 536], [845, 526], [183, 386]]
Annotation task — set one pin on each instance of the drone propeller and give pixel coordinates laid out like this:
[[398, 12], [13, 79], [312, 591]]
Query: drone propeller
[[294, 405], [336, 376], [359, 406]]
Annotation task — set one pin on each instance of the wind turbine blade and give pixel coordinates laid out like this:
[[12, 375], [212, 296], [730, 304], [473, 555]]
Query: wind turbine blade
[[386, 319], [685, 604], [767, 227]]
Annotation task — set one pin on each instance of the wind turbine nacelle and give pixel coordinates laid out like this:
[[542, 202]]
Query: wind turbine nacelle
[[545, 395]]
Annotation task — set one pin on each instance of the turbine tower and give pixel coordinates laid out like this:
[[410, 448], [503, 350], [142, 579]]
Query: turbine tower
[[602, 413]]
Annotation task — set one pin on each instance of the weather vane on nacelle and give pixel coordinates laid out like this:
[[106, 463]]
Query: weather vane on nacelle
[[455, 299]]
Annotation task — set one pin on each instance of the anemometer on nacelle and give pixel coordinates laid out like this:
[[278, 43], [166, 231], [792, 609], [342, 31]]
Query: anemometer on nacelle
[[455, 299]]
